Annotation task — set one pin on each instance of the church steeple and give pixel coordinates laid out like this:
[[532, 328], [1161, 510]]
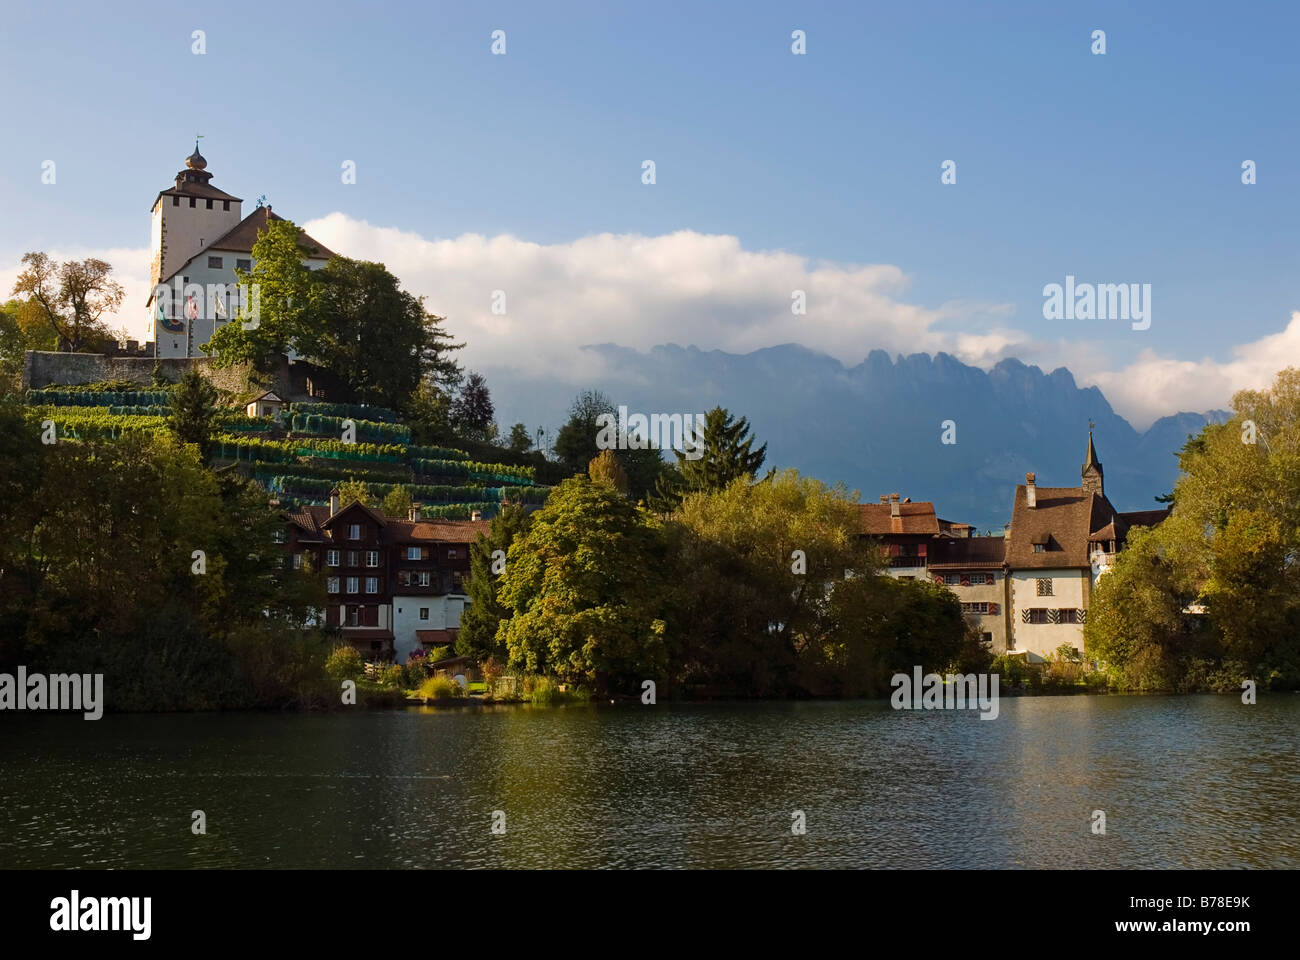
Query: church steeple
[[1091, 472]]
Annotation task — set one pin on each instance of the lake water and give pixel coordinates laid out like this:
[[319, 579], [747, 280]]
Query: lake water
[[1197, 781]]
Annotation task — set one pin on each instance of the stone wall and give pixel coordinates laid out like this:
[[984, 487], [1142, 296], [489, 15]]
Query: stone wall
[[43, 368]]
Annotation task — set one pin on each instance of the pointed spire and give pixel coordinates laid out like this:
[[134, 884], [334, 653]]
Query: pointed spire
[[1091, 472]]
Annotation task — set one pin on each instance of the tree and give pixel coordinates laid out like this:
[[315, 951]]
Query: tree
[[576, 444], [71, 297], [284, 286], [1229, 548], [193, 402], [1137, 622], [137, 562], [472, 411], [584, 587], [752, 562], [397, 502], [605, 468], [876, 626], [519, 441], [351, 490], [478, 637], [721, 455], [367, 331]]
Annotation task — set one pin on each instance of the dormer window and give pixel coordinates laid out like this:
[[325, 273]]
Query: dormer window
[[1039, 548]]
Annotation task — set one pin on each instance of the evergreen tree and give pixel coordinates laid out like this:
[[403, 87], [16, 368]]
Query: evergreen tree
[[193, 410], [726, 454], [519, 441], [472, 411]]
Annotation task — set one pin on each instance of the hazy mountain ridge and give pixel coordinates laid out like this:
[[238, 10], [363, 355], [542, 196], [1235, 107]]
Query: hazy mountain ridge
[[877, 426]]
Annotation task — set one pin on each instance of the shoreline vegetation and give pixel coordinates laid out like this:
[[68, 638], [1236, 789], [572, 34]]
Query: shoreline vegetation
[[142, 538]]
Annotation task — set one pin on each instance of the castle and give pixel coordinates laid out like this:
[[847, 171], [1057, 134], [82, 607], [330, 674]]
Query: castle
[[199, 238]]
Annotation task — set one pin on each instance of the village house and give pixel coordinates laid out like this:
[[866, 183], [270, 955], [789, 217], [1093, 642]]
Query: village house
[[394, 586], [907, 531], [1060, 541]]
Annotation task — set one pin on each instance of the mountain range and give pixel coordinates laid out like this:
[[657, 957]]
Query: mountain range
[[878, 426]]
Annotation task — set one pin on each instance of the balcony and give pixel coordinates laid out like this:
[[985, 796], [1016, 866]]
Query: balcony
[[907, 561]]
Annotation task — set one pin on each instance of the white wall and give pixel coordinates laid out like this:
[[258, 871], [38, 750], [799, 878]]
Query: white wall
[[1067, 592]]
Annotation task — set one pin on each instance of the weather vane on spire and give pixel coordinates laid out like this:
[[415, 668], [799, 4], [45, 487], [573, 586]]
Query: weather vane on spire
[[197, 138]]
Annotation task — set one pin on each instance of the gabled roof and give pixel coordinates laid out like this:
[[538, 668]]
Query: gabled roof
[[309, 520], [268, 395], [914, 518], [243, 235], [1064, 520], [356, 505]]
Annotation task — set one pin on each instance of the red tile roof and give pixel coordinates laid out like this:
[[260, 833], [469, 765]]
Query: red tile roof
[[914, 518], [242, 237], [449, 531]]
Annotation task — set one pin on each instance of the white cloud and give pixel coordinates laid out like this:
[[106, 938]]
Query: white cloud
[[708, 291], [1154, 385], [639, 291]]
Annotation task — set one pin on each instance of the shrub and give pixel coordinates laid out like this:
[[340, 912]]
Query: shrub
[[415, 672], [440, 688], [344, 663], [393, 675]]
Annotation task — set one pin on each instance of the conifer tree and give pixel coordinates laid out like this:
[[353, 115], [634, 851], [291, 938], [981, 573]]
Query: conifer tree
[[726, 452], [192, 411]]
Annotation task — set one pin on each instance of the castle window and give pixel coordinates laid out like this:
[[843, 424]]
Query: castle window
[[424, 613], [214, 263], [1037, 615], [1069, 616], [191, 201], [225, 205], [176, 201], [1044, 586], [209, 204]]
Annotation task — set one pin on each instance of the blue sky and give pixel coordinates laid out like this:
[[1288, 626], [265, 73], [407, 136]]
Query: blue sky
[[1116, 168]]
